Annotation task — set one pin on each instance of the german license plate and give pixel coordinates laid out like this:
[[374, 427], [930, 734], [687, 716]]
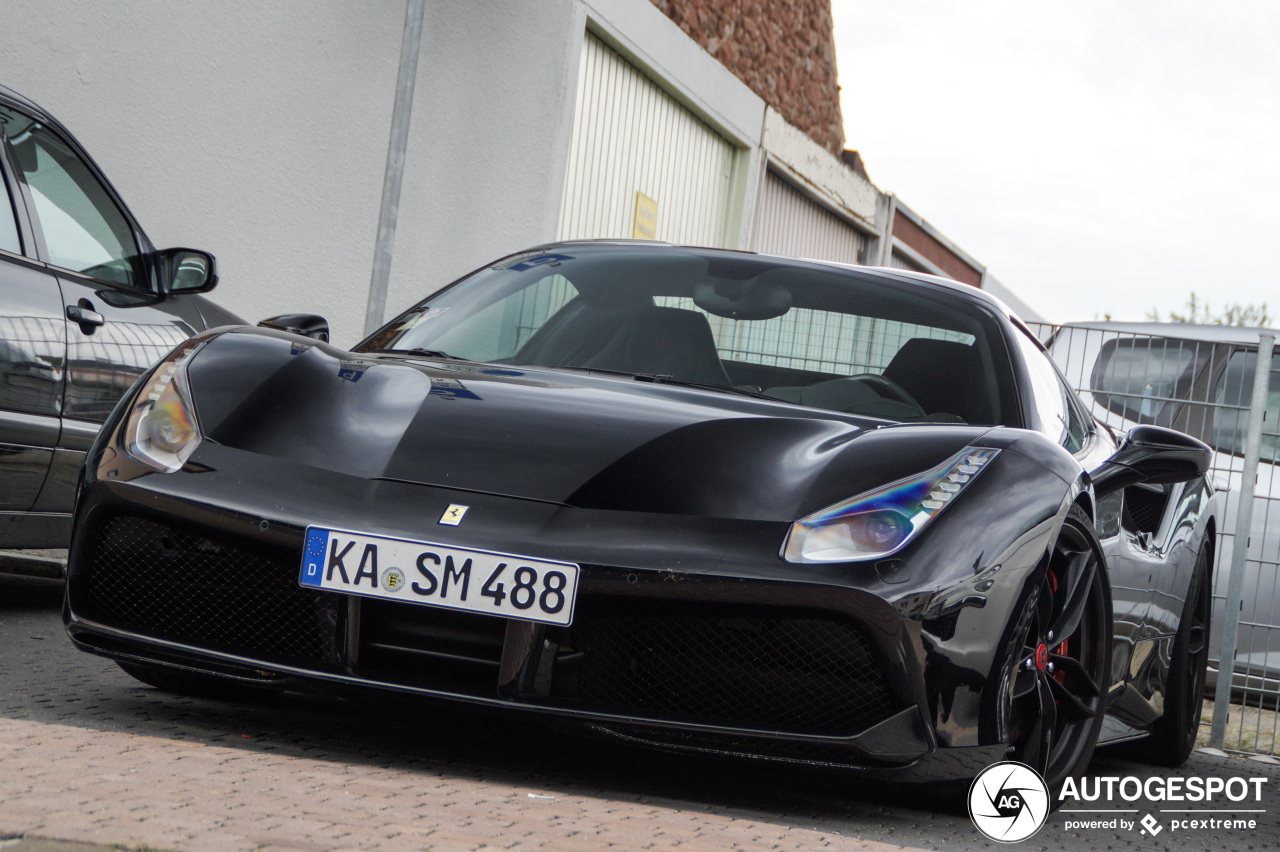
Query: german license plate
[[429, 574]]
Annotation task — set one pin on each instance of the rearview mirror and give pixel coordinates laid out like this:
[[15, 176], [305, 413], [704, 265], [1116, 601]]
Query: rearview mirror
[[742, 300], [307, 325], [186, 270], [1152, 454]]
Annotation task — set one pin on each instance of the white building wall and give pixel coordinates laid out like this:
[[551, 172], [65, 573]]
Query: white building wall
[[492, 113], [255, 129], [1024, 311]]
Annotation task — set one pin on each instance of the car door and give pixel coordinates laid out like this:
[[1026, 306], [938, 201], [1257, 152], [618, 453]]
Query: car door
[[32, 354], [114, 321]]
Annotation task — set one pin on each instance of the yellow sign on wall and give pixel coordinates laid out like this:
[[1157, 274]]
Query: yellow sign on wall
[[646, 226]]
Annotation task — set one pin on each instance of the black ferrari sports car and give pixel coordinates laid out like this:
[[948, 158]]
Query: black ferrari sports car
[[696, 499]]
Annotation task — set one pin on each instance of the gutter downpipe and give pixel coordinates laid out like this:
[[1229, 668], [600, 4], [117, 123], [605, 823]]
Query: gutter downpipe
[[886, 239], [394, 176]]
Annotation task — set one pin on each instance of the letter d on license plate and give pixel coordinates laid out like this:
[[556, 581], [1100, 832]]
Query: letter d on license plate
[[428, 574]]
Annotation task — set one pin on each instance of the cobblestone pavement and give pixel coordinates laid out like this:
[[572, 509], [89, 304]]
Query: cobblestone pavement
[[91, 756]]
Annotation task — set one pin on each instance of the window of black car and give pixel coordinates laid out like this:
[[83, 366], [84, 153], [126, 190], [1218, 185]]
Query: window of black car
[[8, 223], [816, 336], [1143, 378], [1079, 423], [500, 330], [1060, 418], [82, 227], [1232, 393]]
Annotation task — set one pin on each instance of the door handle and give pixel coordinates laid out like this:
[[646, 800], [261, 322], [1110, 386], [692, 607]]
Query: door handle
[[86, 316]]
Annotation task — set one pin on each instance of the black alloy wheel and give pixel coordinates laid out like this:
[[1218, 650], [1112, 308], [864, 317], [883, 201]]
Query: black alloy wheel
[[1057, 686], [1173, 735]]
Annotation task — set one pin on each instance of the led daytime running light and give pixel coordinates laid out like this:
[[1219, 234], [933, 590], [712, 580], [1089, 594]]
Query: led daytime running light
[[836, 534]]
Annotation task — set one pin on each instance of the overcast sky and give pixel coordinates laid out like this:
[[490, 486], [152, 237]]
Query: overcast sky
[[1099, 156]]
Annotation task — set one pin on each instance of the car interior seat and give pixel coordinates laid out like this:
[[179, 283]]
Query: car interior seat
[[576, 334], [942, 375], [664, 341]]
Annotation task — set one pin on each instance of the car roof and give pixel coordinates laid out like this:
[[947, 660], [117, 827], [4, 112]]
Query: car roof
[[23, 103], [1183, 330], [966, 291]]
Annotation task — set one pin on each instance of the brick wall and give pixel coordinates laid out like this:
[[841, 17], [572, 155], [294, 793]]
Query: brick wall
[[935, 252], [782, 49]]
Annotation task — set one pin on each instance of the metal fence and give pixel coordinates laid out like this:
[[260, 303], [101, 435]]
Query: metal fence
[[1206, 383]]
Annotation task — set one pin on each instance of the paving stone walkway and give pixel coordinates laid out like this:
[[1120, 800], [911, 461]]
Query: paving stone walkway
[[138, 791], [90, 756]]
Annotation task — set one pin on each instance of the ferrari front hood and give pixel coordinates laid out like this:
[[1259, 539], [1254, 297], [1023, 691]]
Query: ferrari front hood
[[572, 438]]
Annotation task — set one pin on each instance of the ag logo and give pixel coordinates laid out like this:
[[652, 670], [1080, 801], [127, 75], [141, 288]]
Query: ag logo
[[1008, 802]]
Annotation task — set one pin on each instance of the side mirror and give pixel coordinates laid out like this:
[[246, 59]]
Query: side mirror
[[307, 325], [1152, 454], [185, 270]]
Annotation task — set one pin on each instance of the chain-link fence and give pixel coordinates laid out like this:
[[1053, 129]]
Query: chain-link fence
[[1203, 380]]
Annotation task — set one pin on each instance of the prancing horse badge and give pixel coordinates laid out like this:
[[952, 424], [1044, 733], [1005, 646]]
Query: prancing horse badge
[[453, 515]]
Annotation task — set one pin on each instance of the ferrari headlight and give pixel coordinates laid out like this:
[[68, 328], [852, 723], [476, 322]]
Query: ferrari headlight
[[162, 431], [881, 522]]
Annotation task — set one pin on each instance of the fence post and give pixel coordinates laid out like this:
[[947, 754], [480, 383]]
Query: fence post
[[1240, 545]]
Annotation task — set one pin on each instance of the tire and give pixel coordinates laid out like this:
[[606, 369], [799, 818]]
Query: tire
[[1053, 688], [198, 684], [1173, 736]]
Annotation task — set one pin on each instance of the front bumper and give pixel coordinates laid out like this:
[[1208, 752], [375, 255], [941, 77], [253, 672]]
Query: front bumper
[[705, 641]]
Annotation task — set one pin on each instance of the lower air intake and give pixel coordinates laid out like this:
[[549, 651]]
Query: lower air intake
[[804, 675], [171, 583]]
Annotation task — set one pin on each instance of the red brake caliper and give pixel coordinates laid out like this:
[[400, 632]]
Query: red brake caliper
[[1061, 650]]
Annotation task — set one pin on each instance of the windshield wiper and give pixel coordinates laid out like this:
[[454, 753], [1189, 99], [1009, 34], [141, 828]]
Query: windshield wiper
[[664, 379], [425, 353], [669, 380]]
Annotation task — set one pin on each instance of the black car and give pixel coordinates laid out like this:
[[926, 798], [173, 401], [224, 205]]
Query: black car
[[87, 305], [696, 499]]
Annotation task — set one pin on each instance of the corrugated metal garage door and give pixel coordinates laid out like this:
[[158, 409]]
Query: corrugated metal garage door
[[630, 136], [790, 223], [898, 260]]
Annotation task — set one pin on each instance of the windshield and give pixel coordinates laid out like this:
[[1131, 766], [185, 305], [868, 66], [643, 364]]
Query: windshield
[[800, 333]]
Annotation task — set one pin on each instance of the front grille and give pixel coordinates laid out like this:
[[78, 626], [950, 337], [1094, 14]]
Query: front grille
[[430, 646], [171, 583], [800, 675]]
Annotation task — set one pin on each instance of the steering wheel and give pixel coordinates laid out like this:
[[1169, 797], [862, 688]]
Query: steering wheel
[[887, 388]]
